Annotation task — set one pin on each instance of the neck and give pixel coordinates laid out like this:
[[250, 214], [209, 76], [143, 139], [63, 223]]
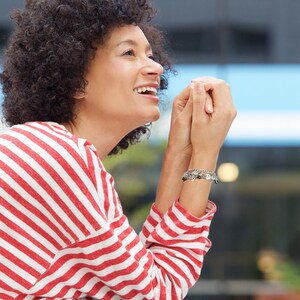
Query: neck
[[104, 137]]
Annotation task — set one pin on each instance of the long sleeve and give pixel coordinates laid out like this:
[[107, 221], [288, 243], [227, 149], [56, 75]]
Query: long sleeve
[[178, 242], [64, 234]]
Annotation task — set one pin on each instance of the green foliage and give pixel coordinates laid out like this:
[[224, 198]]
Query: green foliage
[[136, 172], [290, 274]]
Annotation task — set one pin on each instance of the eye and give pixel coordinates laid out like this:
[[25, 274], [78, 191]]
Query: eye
[[151, 56], [129, 53]]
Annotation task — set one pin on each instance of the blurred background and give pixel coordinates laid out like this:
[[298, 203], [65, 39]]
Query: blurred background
[[254, 46]]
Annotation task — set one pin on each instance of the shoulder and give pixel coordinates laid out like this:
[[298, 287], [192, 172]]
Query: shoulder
[[45, 145], [35, 133], [42, 160]]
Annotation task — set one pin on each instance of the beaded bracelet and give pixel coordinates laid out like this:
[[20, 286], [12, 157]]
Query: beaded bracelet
[[193, 174]]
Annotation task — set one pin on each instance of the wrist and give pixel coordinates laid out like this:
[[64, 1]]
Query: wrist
[[203, 161], [174, 162], [182, 154]]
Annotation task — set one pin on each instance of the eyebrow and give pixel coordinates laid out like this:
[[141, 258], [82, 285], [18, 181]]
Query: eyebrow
[[133, 43]]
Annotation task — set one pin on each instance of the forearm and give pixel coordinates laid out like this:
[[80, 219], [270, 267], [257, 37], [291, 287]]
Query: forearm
[[174, 239], [194, 194], [170, 183], [201, 130]]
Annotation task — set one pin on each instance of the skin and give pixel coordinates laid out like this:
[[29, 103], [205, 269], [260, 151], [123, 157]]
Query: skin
[[110, 104], [110, 108], [196, 137]]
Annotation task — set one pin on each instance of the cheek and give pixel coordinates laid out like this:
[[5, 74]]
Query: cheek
[[119, 79], [112, 83], [122, 72]]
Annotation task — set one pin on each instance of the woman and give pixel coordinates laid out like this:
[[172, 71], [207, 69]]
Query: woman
[[80, 81]]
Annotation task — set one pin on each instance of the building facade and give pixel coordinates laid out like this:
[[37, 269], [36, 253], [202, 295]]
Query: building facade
[[218, 31]]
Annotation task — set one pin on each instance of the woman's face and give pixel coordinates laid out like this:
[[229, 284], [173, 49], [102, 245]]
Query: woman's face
[[122, 81]]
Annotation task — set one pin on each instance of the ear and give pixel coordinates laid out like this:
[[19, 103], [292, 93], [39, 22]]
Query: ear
[[80, 95]]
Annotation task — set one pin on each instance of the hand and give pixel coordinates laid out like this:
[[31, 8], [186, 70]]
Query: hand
[[208, 131], [178, 153], [179, 141]]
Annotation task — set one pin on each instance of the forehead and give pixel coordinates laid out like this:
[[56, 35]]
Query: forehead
[[131, 35]]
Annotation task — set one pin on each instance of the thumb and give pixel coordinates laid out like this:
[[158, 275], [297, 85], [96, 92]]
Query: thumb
[[180, 101], [198, 96]]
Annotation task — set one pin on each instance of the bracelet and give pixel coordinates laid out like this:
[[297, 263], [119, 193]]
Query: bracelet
[[193, 174]]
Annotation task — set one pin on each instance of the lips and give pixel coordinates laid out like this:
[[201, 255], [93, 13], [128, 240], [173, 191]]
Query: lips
[[146, 90]]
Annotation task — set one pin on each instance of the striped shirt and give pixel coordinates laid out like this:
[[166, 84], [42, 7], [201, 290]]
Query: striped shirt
[[64, 234]]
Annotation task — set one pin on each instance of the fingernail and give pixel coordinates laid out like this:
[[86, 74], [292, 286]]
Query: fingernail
[[198, 87], [209, 107]]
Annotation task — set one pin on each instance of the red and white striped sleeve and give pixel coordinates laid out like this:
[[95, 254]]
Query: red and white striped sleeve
[[178, 242], [64, 235]]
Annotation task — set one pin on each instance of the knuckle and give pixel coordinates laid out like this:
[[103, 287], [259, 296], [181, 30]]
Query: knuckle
[[198, 79], [176, 102], [197, 100], [221, 83], [176, 99], [232, 113]]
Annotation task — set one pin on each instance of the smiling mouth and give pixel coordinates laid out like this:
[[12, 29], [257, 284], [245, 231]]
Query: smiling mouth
[[147, 90]]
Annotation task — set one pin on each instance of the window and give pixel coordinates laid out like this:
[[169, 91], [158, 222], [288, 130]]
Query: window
[[212, 44]]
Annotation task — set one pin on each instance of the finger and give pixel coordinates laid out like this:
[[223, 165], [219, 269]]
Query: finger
[[211, 83], [198, 95], [180, 102], [209, 106], [219, 90], [182, 98], [185, 116], [207, 85], [207, 79], [221, 95]]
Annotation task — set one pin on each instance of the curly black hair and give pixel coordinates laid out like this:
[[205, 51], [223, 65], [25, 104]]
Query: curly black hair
[[50, 51]]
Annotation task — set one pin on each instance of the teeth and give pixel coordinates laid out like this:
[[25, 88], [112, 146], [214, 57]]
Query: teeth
[[146, 89]]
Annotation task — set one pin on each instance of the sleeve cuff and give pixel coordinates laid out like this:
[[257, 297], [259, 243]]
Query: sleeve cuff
[[211, 209], [178, 221]]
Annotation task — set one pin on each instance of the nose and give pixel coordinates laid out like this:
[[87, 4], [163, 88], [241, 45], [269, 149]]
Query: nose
[[152, 67]]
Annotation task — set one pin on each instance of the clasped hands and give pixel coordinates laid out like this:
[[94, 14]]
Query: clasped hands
[[201, 118]]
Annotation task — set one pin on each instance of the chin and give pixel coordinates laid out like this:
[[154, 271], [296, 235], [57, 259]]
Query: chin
[[155, 116], [149, 117]]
